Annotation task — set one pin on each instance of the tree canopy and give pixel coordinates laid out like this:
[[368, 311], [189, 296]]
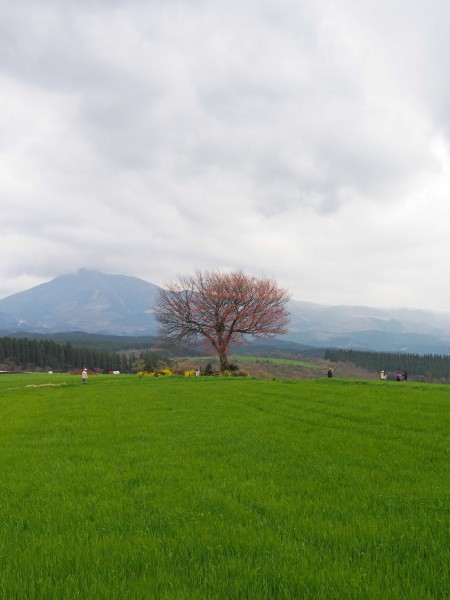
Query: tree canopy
[[221, 308]]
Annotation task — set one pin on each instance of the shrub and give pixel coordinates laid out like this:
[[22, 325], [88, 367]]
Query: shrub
[[150, 374], [226, 373], [164, 372], [145, 374], [231, 373], [179, 372], [241, 373], [208, 370]]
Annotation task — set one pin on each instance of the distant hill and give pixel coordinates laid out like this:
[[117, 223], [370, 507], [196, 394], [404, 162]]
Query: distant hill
[[119, 305], [363, 327], [84, 301]]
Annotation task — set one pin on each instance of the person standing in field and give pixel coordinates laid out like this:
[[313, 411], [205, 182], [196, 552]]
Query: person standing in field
[[383, 376], [84, 376], [330, 372], [197, 371]]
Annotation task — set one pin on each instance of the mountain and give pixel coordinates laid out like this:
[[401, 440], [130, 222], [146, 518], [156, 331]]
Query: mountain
[[88, 301], [362, 327], [98, 303]]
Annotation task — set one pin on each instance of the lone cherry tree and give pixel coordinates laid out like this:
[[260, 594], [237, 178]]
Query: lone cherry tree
[[221, 308]]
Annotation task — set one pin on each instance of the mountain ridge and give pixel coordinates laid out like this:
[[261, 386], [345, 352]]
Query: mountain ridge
[[96, 302]]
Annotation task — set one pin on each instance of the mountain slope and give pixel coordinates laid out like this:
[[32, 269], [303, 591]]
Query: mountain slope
[[87, 300], [362, 327]]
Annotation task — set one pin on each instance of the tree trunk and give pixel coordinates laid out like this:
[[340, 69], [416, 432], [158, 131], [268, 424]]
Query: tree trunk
[[224, 364]]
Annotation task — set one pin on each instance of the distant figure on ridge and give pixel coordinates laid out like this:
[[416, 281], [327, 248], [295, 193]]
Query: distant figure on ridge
[[398, 376], [84, 376], [330, 372], [197, 371]]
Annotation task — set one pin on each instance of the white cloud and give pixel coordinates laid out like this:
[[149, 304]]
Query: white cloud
[[308, 142]]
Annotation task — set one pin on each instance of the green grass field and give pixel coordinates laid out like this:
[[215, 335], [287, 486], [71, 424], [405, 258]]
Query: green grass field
[[264, 360], [276, 361], [232, 488]]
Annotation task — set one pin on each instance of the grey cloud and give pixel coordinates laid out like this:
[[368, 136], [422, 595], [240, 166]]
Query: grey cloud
[[156, 121], [305, 118], [122, 129], [313, 136]]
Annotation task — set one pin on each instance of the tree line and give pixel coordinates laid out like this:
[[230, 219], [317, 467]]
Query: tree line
[[18, 354], [431, 366]]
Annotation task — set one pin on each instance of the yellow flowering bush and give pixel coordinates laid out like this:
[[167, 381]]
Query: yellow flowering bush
[[150, 374], [164, 372]]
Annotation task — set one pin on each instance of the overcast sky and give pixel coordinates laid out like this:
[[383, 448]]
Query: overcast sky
[[302, 140]]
